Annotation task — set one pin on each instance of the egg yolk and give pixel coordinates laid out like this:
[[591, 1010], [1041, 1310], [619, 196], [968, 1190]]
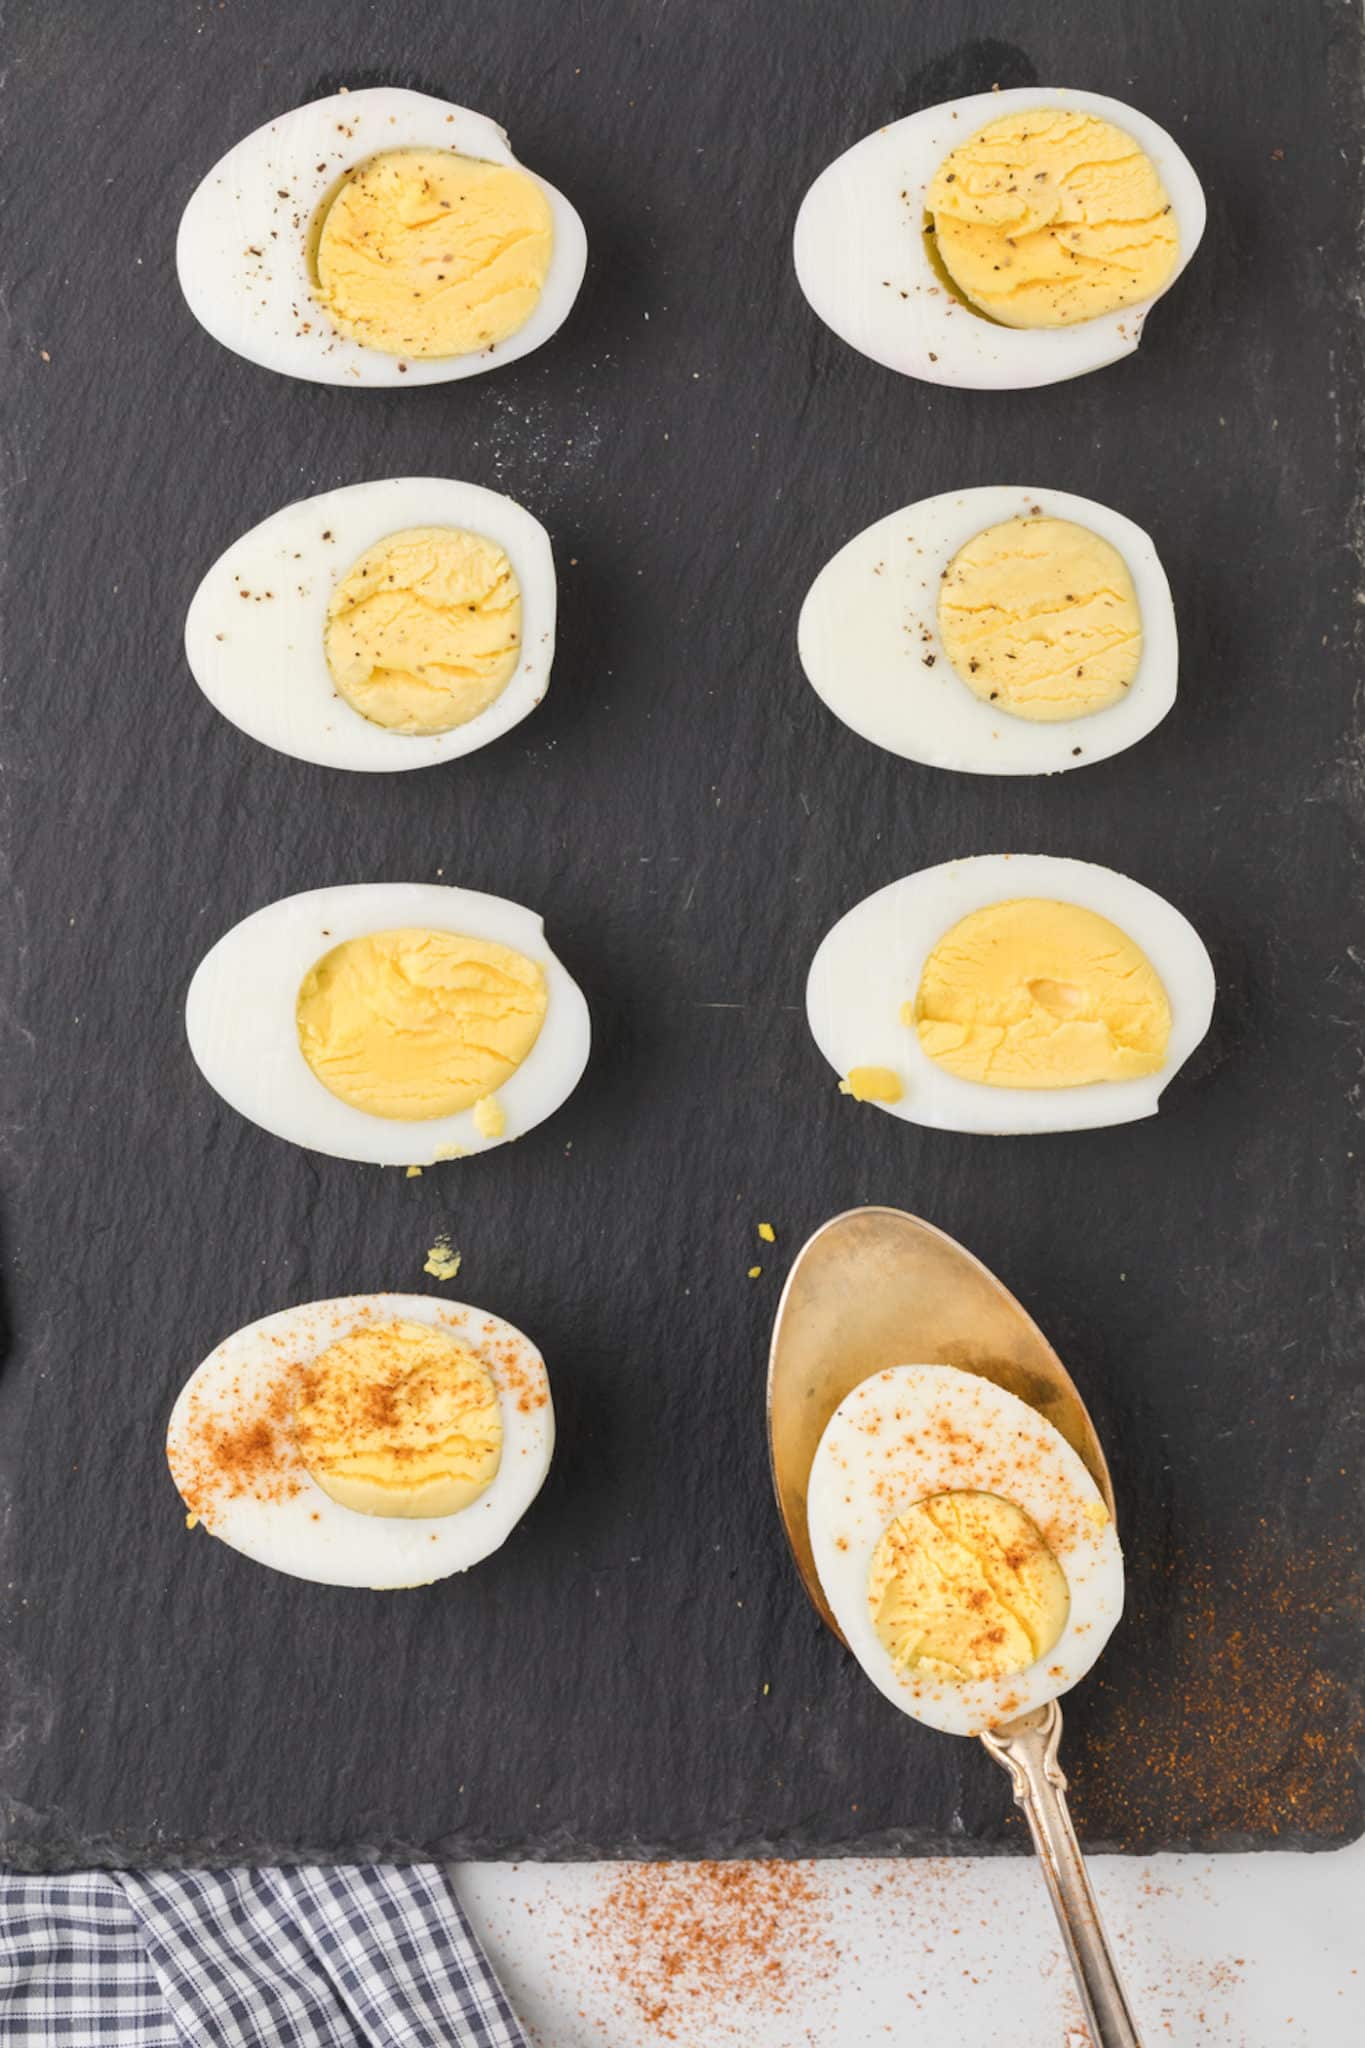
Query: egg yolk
[[963, 1586], [427, 253], [1050, 217], [1035, 994], [413, 1024], [399, 1419], [1040, 617], [424, 630]]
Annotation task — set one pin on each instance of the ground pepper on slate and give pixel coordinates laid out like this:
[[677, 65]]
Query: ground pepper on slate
[[1239, 1719]]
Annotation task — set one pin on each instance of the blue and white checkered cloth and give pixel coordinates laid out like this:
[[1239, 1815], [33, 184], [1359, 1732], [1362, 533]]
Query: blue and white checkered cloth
[[311, 1957]]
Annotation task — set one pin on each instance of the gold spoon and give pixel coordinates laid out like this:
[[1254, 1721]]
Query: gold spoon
[[876, 1288]]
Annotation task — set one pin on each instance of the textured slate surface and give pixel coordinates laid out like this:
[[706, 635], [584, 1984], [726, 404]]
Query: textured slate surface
[[637, 1670]]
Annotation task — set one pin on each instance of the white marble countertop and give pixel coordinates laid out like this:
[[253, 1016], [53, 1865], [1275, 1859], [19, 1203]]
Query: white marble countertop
[[1225, 1952]]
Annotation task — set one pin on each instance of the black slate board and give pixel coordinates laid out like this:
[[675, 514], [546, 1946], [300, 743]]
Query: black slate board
[[638, 1670]]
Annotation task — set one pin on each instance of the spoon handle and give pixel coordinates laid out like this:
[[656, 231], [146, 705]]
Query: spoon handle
[[1027, 1749]]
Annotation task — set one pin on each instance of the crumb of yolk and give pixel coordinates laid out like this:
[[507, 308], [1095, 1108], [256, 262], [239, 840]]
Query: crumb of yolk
[[873, 1084], [490, 1119], [442, 1261]]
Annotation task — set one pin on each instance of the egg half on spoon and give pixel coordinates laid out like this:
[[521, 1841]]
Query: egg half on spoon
[[997, 631], [377, 238], [380, 627], [965, 1551], [1002, 241], [396, 1023], [1011, 993], [378, 1440]]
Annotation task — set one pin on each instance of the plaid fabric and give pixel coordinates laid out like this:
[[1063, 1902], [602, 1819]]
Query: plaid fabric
[[297, 1958]]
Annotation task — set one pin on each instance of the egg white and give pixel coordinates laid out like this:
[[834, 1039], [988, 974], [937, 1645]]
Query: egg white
[[862, 263], [240, 1018], [869, 642], [243, 249], [870, 963], [254, 634], [880, 1453], [309, 1535]]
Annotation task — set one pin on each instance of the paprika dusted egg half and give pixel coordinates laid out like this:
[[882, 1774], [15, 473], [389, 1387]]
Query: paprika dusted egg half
[[999, 631], [398, 1023], [1010, 993], [1002, 241], [378, 238], [379, 1440], [967, 1554], [384, 626]]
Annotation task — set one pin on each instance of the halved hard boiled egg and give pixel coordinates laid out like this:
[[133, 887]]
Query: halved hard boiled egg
[[381, 627], [401, 1023], [998, 631], [1001, 241], [377, 1440], [377, 238], [967, 1554], [1011, 993]]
